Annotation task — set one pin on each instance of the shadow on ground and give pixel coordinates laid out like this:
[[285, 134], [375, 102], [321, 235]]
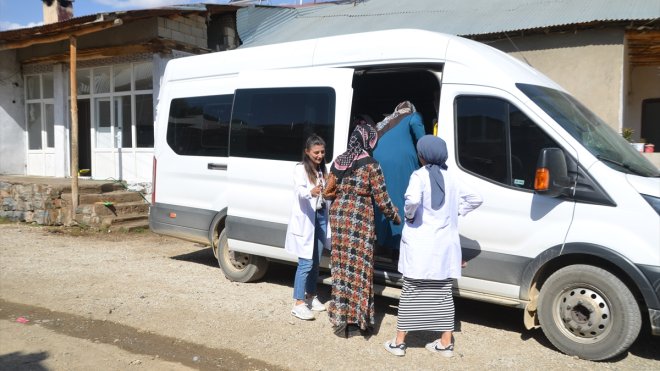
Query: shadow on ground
[[19, 361], [470, 311], [128, 338]]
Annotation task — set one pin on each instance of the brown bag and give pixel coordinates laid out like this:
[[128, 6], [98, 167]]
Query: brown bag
[[330, 190]]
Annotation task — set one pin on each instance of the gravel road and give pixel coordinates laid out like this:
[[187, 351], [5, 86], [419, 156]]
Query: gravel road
[[124, 301]]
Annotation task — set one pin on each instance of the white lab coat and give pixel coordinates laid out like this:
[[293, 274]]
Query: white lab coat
[[300, 231], [430, 244]]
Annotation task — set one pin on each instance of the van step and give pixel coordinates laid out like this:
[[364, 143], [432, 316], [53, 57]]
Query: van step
[[382, 290]]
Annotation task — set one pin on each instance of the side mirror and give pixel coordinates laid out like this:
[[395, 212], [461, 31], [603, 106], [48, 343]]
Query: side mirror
[[551, 174]]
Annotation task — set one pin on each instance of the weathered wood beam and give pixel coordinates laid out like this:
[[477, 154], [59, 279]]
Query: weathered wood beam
[[96, 53], [151, 46], [76, 31], [73, 49], [643, 47]]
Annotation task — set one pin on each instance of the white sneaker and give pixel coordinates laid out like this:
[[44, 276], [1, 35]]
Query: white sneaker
[[397, 350], [301, 311], [315, 304], [436, 347]]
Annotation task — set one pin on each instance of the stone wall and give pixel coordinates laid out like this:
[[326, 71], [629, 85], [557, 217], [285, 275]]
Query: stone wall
[[33, 203]]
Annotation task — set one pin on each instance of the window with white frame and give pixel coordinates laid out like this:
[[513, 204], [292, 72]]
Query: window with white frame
[[121, 97], [40, 119]]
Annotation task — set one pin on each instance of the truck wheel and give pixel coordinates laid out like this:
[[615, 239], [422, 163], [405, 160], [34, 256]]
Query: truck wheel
[[215, 242], [588, 312], [238, 266]]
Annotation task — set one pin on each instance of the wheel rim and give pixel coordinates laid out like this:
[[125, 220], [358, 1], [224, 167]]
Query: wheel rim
[[238, 261], [583, 314]]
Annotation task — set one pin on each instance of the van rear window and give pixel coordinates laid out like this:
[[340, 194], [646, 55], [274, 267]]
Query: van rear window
[[273, 123], [199, 126]]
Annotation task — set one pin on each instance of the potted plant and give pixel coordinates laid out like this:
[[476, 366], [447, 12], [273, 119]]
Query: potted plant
[[627, 134]]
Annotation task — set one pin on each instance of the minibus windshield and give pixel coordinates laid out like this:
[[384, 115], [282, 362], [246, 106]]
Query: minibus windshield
[[596, 136]]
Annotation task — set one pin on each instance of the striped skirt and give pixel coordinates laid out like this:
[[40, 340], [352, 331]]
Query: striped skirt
[[426, 305]]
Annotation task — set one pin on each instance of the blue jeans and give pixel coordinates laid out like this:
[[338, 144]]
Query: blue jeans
[[308, 269]]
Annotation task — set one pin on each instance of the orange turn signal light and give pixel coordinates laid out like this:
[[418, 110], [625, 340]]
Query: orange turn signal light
[[172, 215], [542, 179]]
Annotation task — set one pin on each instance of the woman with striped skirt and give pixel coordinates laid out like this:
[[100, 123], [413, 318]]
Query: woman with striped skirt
[[430, 257]]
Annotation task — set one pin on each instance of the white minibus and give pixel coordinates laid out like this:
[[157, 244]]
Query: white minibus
[[569, 230]]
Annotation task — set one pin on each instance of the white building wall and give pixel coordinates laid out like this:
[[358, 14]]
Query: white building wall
[[589, 64], [12, 116], [160, 62], [61, 94]]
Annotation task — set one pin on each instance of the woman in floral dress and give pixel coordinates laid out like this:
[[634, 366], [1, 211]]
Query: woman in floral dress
[[360, 185]]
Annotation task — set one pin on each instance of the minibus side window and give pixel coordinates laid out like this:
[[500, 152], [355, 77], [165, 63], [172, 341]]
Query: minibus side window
[[199, 126], [497, 141], [273, 123]]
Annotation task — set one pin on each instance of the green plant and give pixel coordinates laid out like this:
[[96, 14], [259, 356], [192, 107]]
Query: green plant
[[627, 134]]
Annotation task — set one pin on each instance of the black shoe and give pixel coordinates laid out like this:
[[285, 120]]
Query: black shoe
[[352, 330], [341, 330], [366, 333]]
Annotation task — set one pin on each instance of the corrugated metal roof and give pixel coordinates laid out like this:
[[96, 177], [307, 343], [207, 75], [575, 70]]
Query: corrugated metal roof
[[267, 25], [262, 20]]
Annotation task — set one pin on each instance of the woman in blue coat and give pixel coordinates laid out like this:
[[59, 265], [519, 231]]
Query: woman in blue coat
[[398, 134]]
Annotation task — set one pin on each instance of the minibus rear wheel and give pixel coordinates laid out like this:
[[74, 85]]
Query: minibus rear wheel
[[237, 266], [588, 312]]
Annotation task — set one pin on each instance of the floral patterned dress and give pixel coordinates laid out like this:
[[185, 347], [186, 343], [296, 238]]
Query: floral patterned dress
[[353, 237]]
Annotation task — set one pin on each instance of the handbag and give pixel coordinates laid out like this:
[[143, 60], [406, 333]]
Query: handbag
[[330, 190]]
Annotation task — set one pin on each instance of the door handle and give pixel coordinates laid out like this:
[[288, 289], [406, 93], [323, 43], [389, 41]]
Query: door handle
[[212, 166]]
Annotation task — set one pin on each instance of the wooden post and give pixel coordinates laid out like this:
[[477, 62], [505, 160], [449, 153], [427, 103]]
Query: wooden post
[[74, 125]]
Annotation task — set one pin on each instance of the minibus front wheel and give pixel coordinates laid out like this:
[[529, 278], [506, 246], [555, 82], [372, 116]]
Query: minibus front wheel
[[238, 266], [588, 312]]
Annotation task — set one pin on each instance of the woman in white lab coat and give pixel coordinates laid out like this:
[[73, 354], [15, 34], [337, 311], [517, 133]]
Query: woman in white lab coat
[[306, 233], [430, 257]]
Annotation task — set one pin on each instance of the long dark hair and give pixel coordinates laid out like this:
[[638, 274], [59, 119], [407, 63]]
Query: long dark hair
[[310, 167]]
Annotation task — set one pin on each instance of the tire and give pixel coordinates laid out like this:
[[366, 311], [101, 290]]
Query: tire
[[588, 312], [215, 242], [239, 267]]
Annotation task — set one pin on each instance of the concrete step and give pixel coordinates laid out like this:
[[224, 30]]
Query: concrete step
[[110, 204], [114, 197], [133, 220], [130, 225], [86, 188], [119, 209]]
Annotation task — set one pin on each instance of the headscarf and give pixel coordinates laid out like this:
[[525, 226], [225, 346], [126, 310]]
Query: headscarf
[[360, 144], [362, 118], [434, 151], [402, 110]]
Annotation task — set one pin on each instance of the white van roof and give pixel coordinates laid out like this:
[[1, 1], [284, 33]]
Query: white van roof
[[465, 61]]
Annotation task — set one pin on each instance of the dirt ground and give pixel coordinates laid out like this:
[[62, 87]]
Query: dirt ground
[[73, 300]]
